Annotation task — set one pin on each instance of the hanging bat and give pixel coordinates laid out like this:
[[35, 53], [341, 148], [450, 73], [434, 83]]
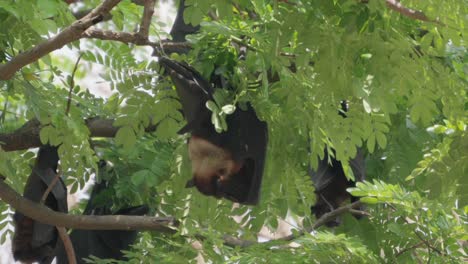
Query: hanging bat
[[180, 29], [228, 164], [331, 183], [101, 243], [35, 241]]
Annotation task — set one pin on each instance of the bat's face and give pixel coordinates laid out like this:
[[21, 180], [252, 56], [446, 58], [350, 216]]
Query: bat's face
[[213, 168], [215, 172]]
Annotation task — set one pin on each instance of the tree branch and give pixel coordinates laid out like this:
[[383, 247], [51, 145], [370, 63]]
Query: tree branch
[[45, 215], [72, 84], [80, 29], [236, 242], [67, 244], [24, 137], [27, 136], [401, 252], [69, 34], [408, 12], [146, 20], [133, 38], [324, 219]]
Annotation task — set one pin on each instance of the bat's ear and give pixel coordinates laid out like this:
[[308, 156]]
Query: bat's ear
[[190, 183]]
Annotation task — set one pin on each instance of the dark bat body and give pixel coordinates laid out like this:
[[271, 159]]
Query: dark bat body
[[34, 241], [101, 243], [228, 164], [180, 29], [331, 183]]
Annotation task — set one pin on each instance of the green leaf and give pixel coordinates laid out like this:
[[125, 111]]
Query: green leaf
[[366, 56], [381, 139], [167, 128], [348, 171], [228, 109], [212, 106], [44, 134], [371, 143], [125, 136], [216, 28], [369, 200], [217, 122], [193, 15], [367, 106], [140, 177]]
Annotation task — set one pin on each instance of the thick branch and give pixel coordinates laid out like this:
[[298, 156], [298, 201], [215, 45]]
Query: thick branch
[[146, 20], [89, 222], [28, 135], [68, 35], [133, 38], [124, 37]]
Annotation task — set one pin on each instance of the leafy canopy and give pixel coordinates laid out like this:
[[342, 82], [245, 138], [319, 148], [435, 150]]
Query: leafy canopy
[[405, 81]]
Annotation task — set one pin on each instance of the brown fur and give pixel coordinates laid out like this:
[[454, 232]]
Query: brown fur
[[211, 165]]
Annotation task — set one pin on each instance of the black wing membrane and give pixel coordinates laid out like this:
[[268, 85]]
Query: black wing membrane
[[35, 241], [246, 138], [192, 90], [101, 243], [326, 172]]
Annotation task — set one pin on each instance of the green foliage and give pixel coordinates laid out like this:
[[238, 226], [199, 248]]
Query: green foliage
[[410, 219], [405, 81]]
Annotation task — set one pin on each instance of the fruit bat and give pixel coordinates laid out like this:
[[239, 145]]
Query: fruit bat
[[228, 164], [180, 29], [35, 241], [331, 183], [101, 243]]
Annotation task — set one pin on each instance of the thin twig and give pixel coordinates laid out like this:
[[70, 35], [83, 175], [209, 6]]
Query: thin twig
[[49, 188], [323, 220], [359, 212], [428, 245], [408, 12], [236, 242], [401, 252], [72, 84], [67, 244], [242, 43]]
